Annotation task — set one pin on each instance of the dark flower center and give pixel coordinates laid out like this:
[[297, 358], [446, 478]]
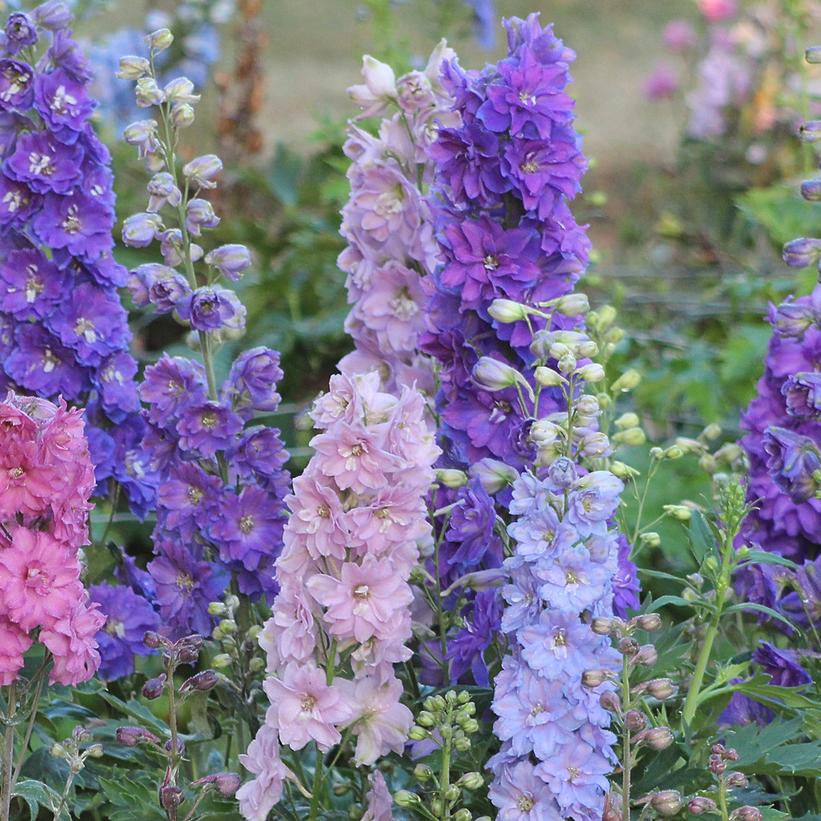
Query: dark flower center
[[195, 495], [246, 524], [491, 262], [525, 803], [209, 420]]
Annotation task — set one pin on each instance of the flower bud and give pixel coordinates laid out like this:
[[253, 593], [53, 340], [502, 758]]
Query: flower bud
[[148, 93], [494, 375], [422, 773], [170, 798], [159, 40], [52, 15], [626, 382], [201, 171], [601, 625], [139, 230], [547, 377], [221, 661], [660, 688], [230, 260], [635, 720], [418, 733], [666, 802], [471, 781], [737, 780], [628, 647], [188, 649], [132, 67], [153, 640], [623, 471], [811, 190], [180, 90], [700, 804], [680, 512], [810, 131], [658, 738], [591, 373], [183, 115], [493, 475], [462, 815], [627, 420], [746, 813], [650, 539], [406, 799], [226, 784], [216, 608], [96, 751], [594, 678], [647, 621], [131, 736], [632, 437], [594, 445], [202, 682], [673, 452], [153, 688], [647, 655], [567, 363], [506, 311], [802, 252], [451, 478], [573, 305], [610, 702], [717, 765]]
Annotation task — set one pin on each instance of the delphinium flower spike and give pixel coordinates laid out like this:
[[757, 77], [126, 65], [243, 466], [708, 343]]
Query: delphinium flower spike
[[505, 173], [783, 445], [63, 330], [220, 477], [342, 619], [46, 479]]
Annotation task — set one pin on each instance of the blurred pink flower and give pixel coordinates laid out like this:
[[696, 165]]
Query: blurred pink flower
[[717, 11], [382, 723], [257, 797], [679, 36], [662, 83]]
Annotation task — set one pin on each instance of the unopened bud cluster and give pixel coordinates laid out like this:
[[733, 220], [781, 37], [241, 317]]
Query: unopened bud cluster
[[449, 721]]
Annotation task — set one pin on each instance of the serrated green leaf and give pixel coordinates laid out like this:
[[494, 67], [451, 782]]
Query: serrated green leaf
[[135, 710], [36, 794], [798, 759]]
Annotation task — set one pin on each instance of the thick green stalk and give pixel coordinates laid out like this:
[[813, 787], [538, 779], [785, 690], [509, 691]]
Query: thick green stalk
[[8, 750], [626, 763], [722, 586]]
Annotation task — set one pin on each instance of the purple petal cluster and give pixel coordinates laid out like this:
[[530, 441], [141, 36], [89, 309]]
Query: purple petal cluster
[[387, 221], [556, 748], [783, 446], [219, 475], [504, 173], [64, 329]]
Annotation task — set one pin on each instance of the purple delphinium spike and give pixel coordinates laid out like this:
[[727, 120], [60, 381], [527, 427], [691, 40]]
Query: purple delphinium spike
[[66, 330]]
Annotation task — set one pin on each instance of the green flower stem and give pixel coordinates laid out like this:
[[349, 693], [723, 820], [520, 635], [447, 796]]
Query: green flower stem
[[722, 587], [627, 763], [8, 749], [318, 766]]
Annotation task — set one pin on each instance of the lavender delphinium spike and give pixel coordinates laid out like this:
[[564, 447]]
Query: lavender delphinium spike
[[220, 476]]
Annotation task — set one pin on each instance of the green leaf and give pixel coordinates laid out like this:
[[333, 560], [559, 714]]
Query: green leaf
[[36, 795], [678, 601], [763, 557], [135, 710], [760, 608], [754, 742], [702, 541], [798, 759]]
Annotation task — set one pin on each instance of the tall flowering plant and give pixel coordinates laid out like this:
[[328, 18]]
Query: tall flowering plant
[[342, 618], [387, 221], [46, 479], [783, 443], [63, 330], [220, 477]]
